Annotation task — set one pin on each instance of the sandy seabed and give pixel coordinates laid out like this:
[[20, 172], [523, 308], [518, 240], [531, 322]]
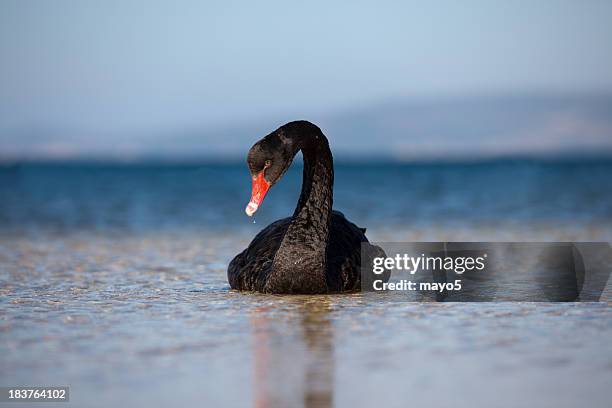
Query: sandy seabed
[[148, 319]]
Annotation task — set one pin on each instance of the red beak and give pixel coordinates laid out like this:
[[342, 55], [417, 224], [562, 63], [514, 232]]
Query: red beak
[[260, 188]]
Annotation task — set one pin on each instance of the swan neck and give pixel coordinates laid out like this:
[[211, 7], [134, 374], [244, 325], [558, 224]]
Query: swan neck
[[312, 215]]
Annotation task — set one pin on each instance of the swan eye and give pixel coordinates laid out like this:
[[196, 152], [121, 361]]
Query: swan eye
[[267, 163]]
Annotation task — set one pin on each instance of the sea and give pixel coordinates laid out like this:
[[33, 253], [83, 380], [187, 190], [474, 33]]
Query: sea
[[113, 283]]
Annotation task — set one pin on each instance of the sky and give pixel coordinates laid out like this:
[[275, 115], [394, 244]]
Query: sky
[[108, 70]]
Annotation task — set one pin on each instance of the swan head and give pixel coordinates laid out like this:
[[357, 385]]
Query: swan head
[[270, 157]]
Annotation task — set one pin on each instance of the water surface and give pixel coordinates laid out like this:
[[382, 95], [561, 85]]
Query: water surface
[[112, 281]]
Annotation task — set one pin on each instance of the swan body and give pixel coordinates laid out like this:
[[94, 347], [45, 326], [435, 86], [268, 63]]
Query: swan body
[[317, 250]]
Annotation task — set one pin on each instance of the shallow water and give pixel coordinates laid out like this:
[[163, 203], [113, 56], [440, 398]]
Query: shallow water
[[123, 297], [150, 320]]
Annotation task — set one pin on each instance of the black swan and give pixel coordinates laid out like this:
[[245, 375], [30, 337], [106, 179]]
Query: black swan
[[317, 250]]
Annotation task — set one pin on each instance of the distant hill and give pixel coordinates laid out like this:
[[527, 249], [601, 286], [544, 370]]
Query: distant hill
[[474, 127]]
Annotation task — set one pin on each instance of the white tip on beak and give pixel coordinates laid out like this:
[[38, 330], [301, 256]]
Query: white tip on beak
[[251, 208]]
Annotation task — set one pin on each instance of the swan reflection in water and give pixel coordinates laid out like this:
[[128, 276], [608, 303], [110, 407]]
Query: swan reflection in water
[[293, 355]]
